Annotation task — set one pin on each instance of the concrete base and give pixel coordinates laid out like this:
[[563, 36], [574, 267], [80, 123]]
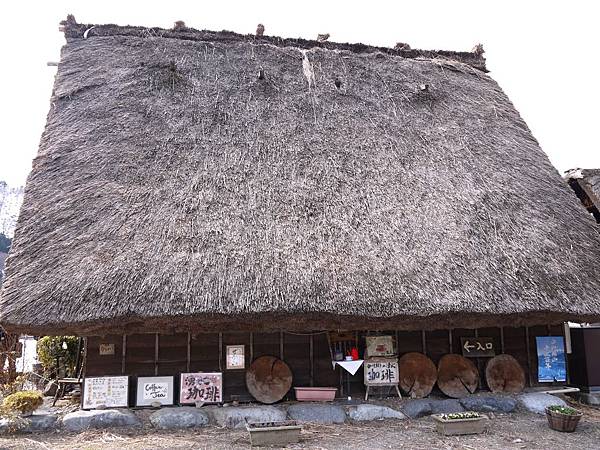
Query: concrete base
[[589, 398]]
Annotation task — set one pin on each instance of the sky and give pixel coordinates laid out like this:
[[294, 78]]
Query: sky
[[542, 53]]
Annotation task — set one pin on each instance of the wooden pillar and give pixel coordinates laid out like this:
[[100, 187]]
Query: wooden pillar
[[311, 346], [251, 347], [220, 352], [281, 345], [450, 340], [528, 356], [423, 342], [502, 339], [123, 354], [156, 344], [189, 351]]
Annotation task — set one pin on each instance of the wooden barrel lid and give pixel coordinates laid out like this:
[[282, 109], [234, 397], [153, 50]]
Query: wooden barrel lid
[[503, 373], [418, 374], [457, 376], [268, 379]]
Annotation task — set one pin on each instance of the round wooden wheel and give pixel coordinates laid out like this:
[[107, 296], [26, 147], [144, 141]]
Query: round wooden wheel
[[268, 379], [457, 376], [503, 373], [417, 374]]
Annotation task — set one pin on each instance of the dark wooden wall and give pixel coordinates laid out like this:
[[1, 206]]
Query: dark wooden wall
[[307, 355]]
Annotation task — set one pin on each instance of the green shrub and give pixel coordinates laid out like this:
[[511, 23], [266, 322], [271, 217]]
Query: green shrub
[[23, 401], [51, 352], [563, 410]]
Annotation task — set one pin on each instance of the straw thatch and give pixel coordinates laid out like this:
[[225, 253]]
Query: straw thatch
[[199, 180], [586, 184]]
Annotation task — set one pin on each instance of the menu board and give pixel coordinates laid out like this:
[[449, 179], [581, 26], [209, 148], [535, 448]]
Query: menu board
[[154, 390], [109, 392], [381, 371], [201, 387]]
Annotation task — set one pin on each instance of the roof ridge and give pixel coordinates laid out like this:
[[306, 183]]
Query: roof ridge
[[74, 30]]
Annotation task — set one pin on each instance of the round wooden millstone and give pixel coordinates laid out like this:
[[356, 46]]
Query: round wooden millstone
[[268, 379], [457, 376], [503, 373], [418, 374]]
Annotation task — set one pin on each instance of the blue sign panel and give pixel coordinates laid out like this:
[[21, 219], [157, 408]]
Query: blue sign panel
[[551, 358]]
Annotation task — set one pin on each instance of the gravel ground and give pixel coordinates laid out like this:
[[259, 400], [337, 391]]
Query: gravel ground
[[510, 431]]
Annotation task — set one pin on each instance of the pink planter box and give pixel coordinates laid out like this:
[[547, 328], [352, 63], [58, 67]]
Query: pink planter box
[[315, 394]]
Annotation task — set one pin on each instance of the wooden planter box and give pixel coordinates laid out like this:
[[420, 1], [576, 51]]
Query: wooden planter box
[[315, 394], [453, 427], [562, 422], [270, 434]]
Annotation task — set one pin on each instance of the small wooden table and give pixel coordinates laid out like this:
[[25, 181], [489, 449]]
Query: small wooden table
[[62, 384]]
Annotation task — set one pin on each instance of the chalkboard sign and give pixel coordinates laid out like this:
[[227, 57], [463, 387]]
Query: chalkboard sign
[[154, 390], [110, 392], [381, 371], [201, 387]]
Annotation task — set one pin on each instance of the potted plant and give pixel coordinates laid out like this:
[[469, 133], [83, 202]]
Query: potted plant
[[563, 418], [266, 434], [23, 402], [460, 423]]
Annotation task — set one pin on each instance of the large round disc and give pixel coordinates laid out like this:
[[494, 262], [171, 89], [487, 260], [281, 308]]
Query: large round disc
[[418, 374], [503, 373], [457, 376], [268, 379]]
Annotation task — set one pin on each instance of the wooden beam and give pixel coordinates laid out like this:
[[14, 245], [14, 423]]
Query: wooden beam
[[450, 340], [281, 345], [220, 352], [423, 342], [502, 339], [251, 347]]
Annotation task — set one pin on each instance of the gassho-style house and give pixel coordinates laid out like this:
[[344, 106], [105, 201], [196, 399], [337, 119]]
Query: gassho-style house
[[241, 215]]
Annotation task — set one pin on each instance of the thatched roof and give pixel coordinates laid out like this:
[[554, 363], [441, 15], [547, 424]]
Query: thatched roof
[[200, 180], [586, 184]]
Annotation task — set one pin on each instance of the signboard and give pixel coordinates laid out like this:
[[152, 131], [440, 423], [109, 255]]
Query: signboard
[[201, 387], [107, 349], [477, 347], [381, 371], [235, 357], [551, 359], [154, 390], [380, 346], [110, 392]]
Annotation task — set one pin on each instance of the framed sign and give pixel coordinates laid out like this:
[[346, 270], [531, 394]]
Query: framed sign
[[381, 371], [106, 349], [201, 387], [235, 357], [154, 390], [477, 347], [110, 392], [551, 359], [380, 346]]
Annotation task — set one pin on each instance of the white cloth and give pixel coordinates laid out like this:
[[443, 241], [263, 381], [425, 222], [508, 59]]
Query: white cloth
[[349, 366]]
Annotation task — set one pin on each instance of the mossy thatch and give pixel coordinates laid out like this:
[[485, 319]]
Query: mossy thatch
[[199, 180]]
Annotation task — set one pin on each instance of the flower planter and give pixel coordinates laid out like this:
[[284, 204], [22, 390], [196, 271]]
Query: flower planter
[[315, 394], [267, 434], [453, 427], [563, 422]]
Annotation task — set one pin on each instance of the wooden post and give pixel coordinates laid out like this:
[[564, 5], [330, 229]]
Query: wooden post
[[123, 354], [528, 356], [312, 360], [156, 344], [281, 345], [189, 351], [423, 342], [220, 352], [450, 340], [502, 339], [251, 347], [85, 349]]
